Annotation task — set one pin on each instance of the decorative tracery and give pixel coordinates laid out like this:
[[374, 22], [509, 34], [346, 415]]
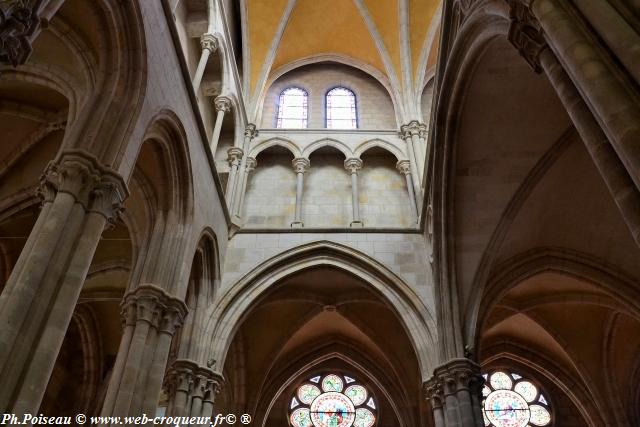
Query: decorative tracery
[[332, 400], [512, 401]]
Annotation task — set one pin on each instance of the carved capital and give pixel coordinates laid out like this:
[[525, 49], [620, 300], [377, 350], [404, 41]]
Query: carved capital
[[251, 164], [107, 198], [404, 167], [151, 304], [208, 42], [222, 103], [458, 375], [410, 129], [234, 155], [250, 131], [353, 165], [76, 173], [213, 385], [18, 22], [423, 131], [525, 34], [301, 165], [434, 392]]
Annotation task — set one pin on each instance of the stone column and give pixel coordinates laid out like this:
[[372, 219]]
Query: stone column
[[422, 134], [222, 106], [151, 318], [353, 166], [250, 133], [612, 101], [209, 44], [234, 157], [404, 168], [406, 133], [300, 165], [450, 393], [249, 167], [192, 389], [80, 197], [527, 37]]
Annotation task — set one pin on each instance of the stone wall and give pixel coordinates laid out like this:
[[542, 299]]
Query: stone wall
[[402, 253]]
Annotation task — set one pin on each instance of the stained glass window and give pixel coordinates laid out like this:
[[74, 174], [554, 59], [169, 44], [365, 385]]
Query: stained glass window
[[292, 109], [332, 400], [341, 109], [512, 401]]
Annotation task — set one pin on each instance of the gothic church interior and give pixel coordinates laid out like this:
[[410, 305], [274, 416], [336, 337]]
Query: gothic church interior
[[326, 213]]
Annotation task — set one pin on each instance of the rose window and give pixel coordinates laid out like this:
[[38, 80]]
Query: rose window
[[512, 401], [332, 401]]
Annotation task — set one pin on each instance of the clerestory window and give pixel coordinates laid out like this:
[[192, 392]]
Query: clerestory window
[[341, 109], [292, 109]]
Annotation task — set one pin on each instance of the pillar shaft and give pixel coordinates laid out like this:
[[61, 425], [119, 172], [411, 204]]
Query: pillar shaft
[[154, 316], [618, 181], [222, 105], [404, 168], [300, 166], [249, 167], [80, 197], [611, 100], [353, 166], [209, 44], [407, 132], [234, 158], [241, 185], [453, 393]]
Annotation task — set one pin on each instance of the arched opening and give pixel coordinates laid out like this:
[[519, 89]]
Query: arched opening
[[330, 309]]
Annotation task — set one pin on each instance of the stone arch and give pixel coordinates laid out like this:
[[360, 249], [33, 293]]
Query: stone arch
[[536, 365], [572, 264], [163, 166], [330, 142], [279, 141], [380, 77], [234, 305], [383, 382], [385, 145]]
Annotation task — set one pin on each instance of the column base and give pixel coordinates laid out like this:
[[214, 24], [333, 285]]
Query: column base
[[356, 224], [297, 224]]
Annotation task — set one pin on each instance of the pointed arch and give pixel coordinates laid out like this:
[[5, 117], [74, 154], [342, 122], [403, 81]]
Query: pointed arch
[[279, 141], [327, 142], [236, 303], [380, 143]]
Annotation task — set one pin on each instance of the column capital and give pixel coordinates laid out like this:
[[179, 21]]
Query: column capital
[[525, 33], [301, 165], [434, 392], [410, 129], [251, 131], [234, 155], [459, 374], [19, 22], [222, 103], [251, 164], [423, 129], [209, 42], [98, 188], [353, 165], [404, 167], [152, 304]]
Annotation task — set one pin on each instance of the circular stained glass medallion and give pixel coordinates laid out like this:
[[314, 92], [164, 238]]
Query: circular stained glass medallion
[[332, 383], [505, 408], [364, 418], [300, 418], [332, 409], [307, 393], [512, 401], [357, 394], [332, 400]]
